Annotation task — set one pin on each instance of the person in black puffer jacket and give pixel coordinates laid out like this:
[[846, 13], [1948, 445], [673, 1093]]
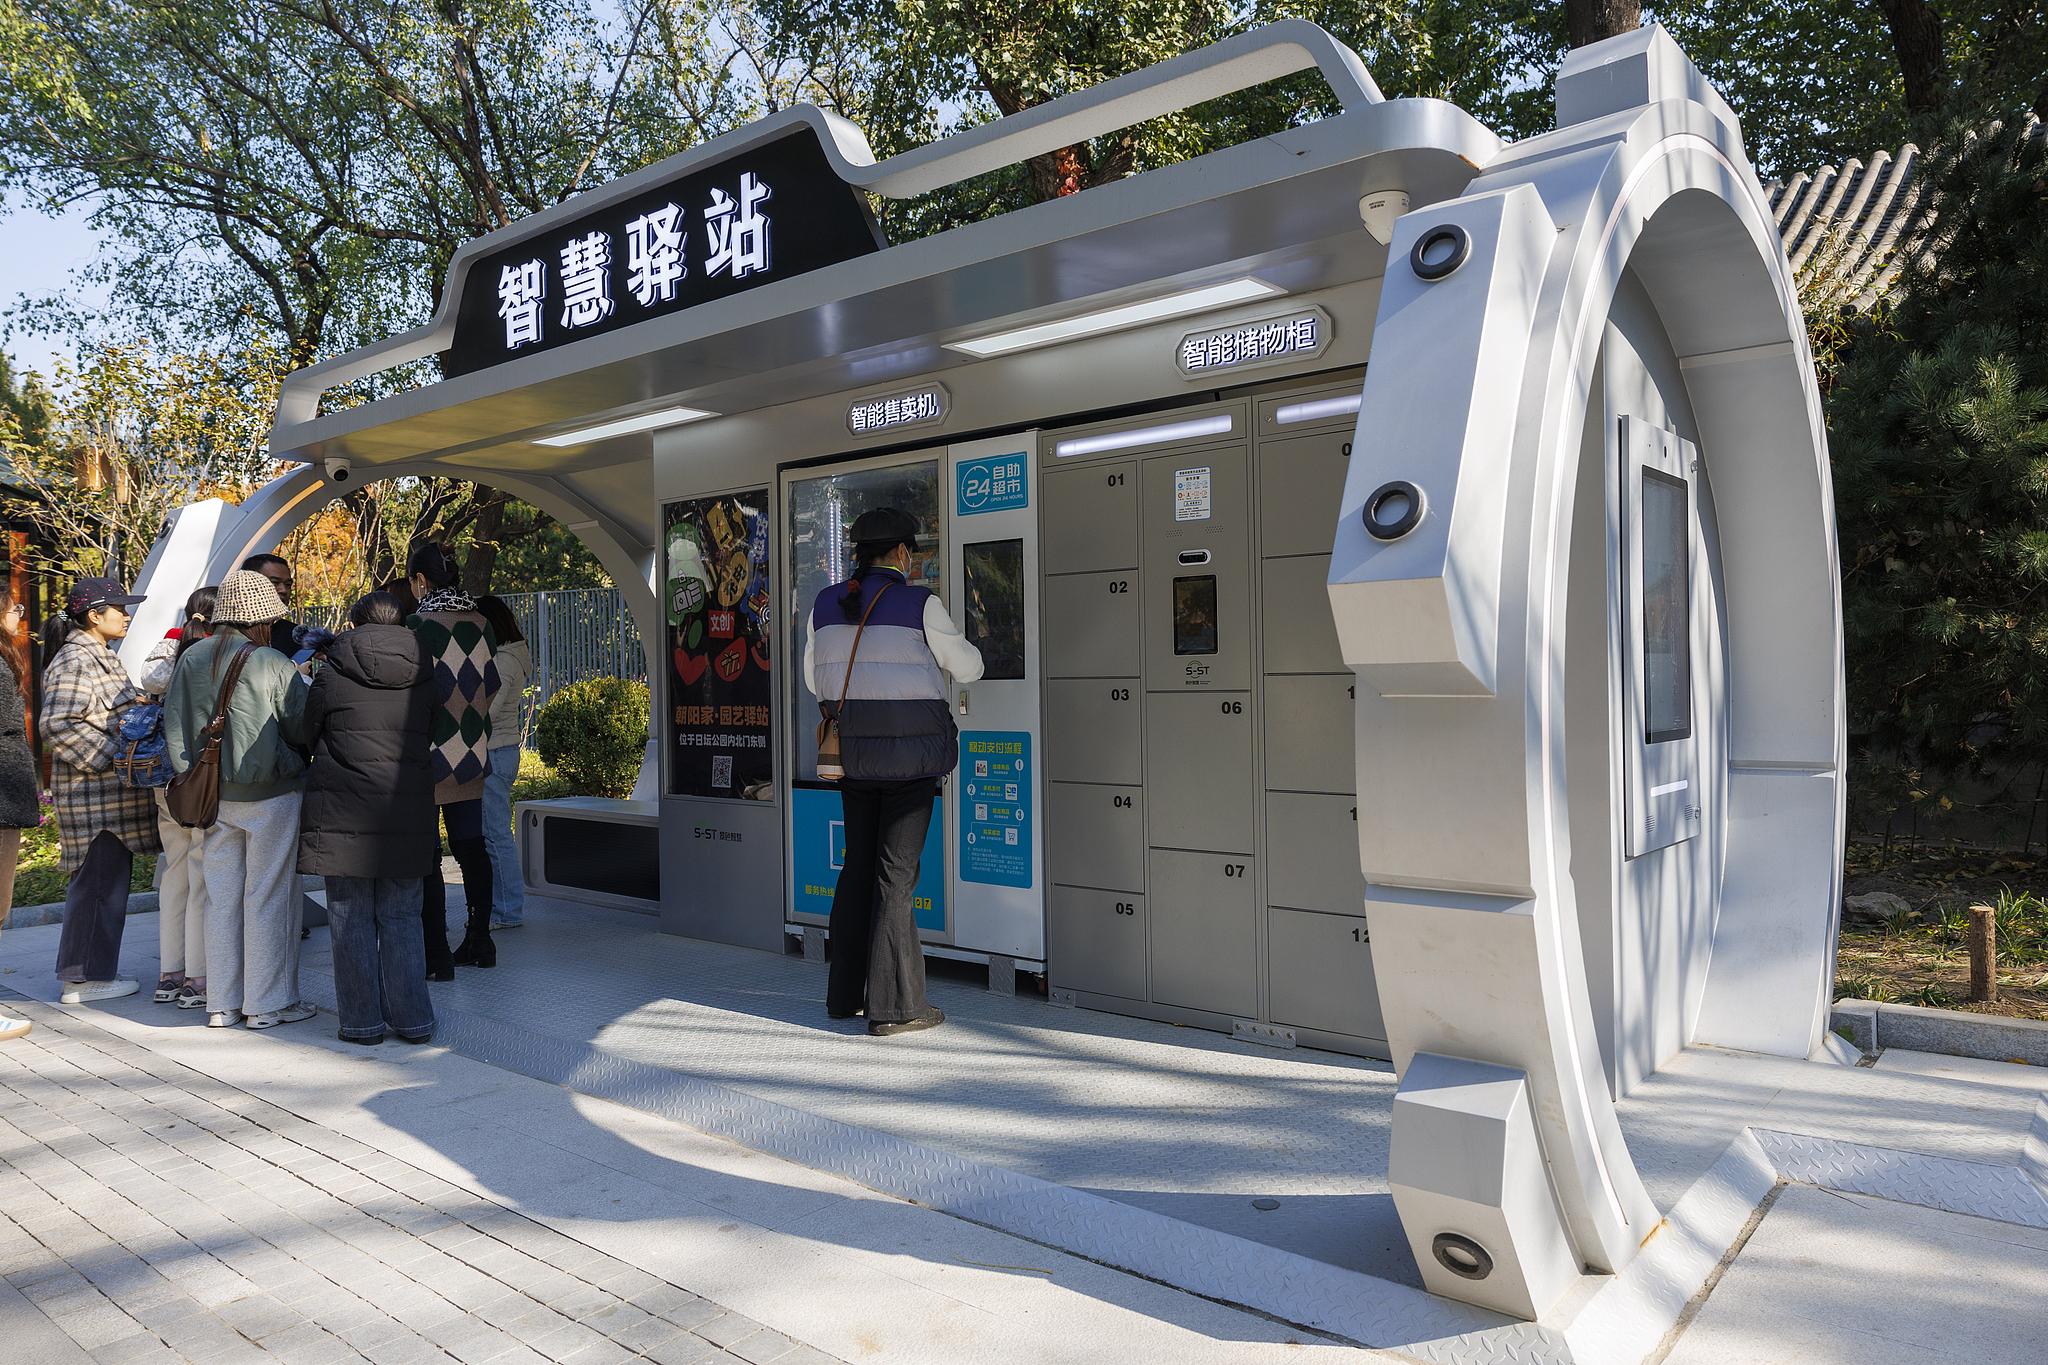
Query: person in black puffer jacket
[[369, 825]]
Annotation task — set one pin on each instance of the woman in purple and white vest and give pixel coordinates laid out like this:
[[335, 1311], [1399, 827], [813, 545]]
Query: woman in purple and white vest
[[896, 740]]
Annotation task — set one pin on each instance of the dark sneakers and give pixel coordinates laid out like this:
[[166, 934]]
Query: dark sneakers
[[932, 1017]]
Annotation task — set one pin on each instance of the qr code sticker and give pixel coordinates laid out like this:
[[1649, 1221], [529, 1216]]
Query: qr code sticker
[[721, 770]]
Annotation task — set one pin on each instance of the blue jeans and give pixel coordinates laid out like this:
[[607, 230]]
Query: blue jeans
[[508, 887], [380, 963]]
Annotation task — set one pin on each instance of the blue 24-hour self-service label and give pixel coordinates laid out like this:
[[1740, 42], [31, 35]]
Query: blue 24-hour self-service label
[[995, 807], [995, 483]]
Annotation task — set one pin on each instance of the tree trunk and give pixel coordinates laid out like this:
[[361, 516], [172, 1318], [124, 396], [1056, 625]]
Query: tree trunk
[[483, 545], [1916, 40], [1592, 20], [1060, 173]]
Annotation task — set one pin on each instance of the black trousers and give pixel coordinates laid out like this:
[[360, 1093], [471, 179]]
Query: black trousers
[[96, 912], [877, 962], [464, 821]]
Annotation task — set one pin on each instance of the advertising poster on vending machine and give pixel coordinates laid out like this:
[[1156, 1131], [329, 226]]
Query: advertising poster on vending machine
[[715, 577]]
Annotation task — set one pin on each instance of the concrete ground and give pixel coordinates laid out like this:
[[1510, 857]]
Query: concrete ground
[[1178, 1129], [1841, 1279]]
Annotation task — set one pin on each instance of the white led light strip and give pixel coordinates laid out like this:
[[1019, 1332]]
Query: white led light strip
[[625, 426], [1320, 408], [1114, 319], [1144, 436]]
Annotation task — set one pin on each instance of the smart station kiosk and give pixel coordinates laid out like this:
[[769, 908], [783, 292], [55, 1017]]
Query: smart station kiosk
[[1403, 565]]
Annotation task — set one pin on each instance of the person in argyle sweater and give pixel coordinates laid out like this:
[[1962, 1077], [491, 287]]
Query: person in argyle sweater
[[462, 645]]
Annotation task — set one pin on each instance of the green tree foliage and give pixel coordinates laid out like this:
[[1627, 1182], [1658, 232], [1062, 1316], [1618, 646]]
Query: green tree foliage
[[955, 64], [24, 410], [1819, 81], [594, 733], [304, 169], [1939, 429]]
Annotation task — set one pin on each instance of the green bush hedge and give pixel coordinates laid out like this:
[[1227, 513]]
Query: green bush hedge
[[594, 733]]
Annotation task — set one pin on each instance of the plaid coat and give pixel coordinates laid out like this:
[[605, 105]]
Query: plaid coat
[[84, 693]]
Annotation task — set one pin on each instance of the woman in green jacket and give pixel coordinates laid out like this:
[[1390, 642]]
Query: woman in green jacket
[[250, 856]]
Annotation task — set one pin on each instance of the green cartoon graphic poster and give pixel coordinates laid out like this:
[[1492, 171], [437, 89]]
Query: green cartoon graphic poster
[[717, 604]]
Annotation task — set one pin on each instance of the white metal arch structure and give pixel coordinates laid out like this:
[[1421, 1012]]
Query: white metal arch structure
[[1635, 233], [230, 534]]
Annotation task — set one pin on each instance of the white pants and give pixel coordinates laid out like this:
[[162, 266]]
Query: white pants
[[181, 897], [251, 859]]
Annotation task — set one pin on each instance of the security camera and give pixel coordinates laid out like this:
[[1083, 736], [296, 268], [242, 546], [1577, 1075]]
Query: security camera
[[338, 470]]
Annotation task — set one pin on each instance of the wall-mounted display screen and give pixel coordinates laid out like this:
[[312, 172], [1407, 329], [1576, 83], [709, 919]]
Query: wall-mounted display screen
[[1194, 615], [1667, 634], [719, 716], [994, 587]]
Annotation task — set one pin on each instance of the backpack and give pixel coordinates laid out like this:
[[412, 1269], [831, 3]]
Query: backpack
[[145, 759]]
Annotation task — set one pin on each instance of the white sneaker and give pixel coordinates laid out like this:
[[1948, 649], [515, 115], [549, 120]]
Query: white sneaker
[[80, 992], [11, 1027], [224, 1019], [290, 1014]]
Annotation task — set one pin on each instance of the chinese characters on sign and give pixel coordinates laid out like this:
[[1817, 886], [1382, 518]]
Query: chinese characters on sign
[[1303, 334], [763, 213], [736, 232], [897, 410], [654, 255], [995, 807], [521, 290], [997, 483]]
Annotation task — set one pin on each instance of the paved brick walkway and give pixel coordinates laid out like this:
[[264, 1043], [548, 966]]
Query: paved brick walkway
[[158, 1216]]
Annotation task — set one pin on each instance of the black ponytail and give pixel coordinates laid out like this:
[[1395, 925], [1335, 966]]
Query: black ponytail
[[433, 563], [59, 628]]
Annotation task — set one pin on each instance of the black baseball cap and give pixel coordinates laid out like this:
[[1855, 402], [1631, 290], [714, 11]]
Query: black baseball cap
[[90, 594], [884, 527]]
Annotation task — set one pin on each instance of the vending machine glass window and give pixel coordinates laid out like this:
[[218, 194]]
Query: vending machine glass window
[[1667, 637], [821, 511], [994, 573]]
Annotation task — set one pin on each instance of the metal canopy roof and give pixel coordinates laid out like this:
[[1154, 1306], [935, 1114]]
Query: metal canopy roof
[[1283, 207]]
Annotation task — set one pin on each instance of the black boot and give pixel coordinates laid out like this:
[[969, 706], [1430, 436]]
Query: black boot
[[473, 857], [434, 927]]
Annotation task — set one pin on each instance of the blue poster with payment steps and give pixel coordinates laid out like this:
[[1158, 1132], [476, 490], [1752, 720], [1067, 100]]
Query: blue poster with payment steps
[[818, 837], [995, 807]]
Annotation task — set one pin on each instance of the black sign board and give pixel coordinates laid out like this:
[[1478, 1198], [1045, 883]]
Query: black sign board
[[765, 214]]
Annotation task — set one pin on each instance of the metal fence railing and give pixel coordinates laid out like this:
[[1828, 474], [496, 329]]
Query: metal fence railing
[[574, 633]]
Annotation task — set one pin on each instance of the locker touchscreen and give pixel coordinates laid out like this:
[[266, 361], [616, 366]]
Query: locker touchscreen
[[994, 582], [1194, 615]]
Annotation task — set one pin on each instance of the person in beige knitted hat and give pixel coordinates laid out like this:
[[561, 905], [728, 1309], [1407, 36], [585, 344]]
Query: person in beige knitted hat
[[249, 857]]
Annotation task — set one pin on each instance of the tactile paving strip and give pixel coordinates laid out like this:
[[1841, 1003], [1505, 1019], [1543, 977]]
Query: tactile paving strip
[[1202, 1260], [2004, 1193]]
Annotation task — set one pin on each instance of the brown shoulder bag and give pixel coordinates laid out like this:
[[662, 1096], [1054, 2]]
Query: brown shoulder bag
[[829, 767], [193, 797]]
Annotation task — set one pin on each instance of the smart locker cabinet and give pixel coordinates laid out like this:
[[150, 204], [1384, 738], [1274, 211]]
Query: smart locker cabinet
[[1202, 853]]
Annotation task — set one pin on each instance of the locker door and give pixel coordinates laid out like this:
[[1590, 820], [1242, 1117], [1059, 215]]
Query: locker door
[[1091, 731], [1092, 621], [1090, 520], [1198, 770], [1096, 941], [1301, 481], [1096, 835], [1203, 951]]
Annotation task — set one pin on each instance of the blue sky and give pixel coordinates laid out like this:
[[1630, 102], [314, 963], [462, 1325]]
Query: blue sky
[[37, 257]]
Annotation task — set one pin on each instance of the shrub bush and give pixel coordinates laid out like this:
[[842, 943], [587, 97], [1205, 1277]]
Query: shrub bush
[[593, 734]]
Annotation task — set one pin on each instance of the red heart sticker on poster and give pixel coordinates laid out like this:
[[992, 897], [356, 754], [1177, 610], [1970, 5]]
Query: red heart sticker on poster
[[732, 660], [690, 667]]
